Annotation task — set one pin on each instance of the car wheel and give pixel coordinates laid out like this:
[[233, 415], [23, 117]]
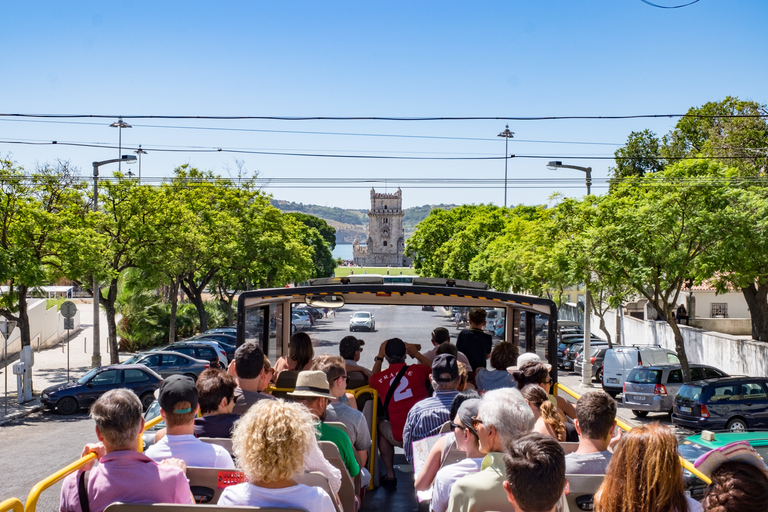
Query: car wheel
[[640, 414], [147, 399], [222, 365], [612, 394], [67, 405], [599, 375], [737, 425]]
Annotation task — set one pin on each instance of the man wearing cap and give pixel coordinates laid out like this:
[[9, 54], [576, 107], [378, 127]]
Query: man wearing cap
[[439, 336], [466, 440], [427, 416], [411, 388], [350, 349], [178, 407], [313, 391], [248, 370], [122, 470]]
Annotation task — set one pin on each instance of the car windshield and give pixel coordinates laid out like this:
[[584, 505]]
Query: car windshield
[[691, 451], [361, 315], [644, 376], [690, 392], [85, 378], [133, 359]]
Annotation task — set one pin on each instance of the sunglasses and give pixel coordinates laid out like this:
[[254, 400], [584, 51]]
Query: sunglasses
[[462, 427], [345, 377], [476, 421], [234, 399], [360, 349], [548, 382]]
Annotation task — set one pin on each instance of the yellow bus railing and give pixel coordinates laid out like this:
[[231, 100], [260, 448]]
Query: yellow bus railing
[[42, 485], [624, 426], [11, 504]]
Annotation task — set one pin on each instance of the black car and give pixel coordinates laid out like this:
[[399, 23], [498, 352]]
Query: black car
[[562, 349], [427, 308], [733, 403], [71, 396], [197, 351], [226, 341]]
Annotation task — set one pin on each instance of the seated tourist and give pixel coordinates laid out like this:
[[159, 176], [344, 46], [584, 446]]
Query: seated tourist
[[645, 475], [441, 336], [427, 417], [248, 369], [549, 420], [439, 450], [596, 424], [216, 396], [350, 348], [467, 441], [300, 354], [502, 416], [312, 390], [270, 443], [531, 370], [178, 397], [739, 480], [503, 356], [122, 470], [535, 470]]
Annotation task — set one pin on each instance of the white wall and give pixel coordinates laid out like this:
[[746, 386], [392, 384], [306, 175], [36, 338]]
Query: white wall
[[46, 328], [731, 354], [737, 305]]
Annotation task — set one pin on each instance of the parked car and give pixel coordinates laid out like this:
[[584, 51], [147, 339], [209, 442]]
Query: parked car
[[362, 320], [577, 351], [199, 350], [499, 328], [653, 388], [225, 341], [621, 360], [427, 308], [596, 359], [564, 347], [152, 412], [69, 397], [693, 447], [222, 330], [491, 317], [166, 363], [303, 313], [299, 323], [733, 403]]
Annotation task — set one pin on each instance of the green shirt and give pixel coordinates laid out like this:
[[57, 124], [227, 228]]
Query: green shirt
[[342, 442]]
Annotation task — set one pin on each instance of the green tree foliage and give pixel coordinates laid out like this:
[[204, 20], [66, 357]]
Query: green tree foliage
[[326, 231], [639, 156], [322, 238]]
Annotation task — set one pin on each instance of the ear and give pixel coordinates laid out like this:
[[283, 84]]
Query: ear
[[509, 494], [100, 436], [162, 413], [612, 431], [224, 402], [578, 428]]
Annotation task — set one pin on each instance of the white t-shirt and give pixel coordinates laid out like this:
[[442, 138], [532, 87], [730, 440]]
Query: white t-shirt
[[303, 496], [192, 451], [446, 477]]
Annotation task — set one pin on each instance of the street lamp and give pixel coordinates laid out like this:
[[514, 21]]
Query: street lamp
[[96, 358], [120, 124], [140, 152], [507, 135], [586, 368]]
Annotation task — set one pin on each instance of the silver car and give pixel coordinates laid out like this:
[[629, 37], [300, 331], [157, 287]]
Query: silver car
[[653, 388], [362, 320]]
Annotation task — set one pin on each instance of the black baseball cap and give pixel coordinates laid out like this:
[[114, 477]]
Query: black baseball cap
[[175, 389], [395, 348], [445, 368], [349, 345]]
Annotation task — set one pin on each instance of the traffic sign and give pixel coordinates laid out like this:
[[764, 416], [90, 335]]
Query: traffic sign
[[69, 323], [68, 309]]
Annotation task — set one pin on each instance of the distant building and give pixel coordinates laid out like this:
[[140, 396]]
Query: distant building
[[385, 246]]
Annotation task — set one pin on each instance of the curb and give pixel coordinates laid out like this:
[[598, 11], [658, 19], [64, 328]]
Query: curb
[[26, 411]]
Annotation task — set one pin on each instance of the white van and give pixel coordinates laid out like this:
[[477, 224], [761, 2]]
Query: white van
[[619, 361]]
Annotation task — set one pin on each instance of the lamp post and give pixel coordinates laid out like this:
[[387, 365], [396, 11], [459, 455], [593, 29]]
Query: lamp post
[[120, 124], [586, 368], [140, 152], [507, 135], [96, 358]]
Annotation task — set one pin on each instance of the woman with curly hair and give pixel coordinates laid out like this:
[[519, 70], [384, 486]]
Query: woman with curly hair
[[737, 487], [549, 419], [644, 475], [270, 442]]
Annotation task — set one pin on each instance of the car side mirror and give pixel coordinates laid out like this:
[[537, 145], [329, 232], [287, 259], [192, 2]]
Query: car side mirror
[[89, 384]]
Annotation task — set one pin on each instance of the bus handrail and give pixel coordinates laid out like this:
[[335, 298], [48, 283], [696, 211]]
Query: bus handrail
[[686, 464], [44, 484], [151, 423], [13, 504]]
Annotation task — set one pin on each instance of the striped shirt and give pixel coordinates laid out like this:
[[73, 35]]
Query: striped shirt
[[426, 417]]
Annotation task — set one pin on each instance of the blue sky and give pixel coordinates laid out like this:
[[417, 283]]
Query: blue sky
[[411, 59]]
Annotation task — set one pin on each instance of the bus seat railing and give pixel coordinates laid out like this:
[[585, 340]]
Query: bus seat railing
[[624, 426], [12, 504], [44, 484]]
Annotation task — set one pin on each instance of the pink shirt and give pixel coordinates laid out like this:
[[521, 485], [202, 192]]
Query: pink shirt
[[127, 476]]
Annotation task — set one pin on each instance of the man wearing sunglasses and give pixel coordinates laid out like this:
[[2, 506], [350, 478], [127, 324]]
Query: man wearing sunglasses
[[503, 414], [466, 440]]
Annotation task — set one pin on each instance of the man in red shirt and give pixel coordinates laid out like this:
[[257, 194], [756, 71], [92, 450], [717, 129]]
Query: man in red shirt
[[411, 389]]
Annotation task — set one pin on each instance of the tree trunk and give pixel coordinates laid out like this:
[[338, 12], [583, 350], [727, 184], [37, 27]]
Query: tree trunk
[[680, 348], [174, 298], [195, 293], [618, 325], [604, 328], [758, 310], [109, 308], [23, 314]]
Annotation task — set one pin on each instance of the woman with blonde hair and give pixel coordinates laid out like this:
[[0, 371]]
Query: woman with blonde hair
[[645, 475], [549, 419], [270, 442]]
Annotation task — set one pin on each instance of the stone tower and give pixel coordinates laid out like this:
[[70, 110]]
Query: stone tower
[[386, 238]]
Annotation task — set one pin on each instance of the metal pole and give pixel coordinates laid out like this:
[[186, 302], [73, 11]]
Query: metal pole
[[506, 160], [5, 360], [589, 179], [119, 145], [96, 357], [67, 355], [586, 368]]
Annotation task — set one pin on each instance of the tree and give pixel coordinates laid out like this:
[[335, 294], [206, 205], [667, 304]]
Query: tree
[[639, 156], [322, 238]]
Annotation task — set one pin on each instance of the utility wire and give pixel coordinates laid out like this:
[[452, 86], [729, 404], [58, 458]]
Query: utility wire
[[669, 6]]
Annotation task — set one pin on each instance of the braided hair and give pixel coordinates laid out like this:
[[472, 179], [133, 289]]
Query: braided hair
[[552, 416], [736, 486]]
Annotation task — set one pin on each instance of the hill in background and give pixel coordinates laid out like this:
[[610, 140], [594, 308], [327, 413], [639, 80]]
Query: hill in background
[[354, 223]]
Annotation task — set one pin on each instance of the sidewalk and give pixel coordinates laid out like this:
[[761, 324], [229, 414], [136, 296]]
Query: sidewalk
[[50, 365]]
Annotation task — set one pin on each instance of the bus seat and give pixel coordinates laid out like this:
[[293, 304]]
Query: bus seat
[[347, 492], [167, 507], [356, 379], [207, 484], [317, 479], [569, 447], [286, 379], [581, 490], [339, 425], [224, 442]]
